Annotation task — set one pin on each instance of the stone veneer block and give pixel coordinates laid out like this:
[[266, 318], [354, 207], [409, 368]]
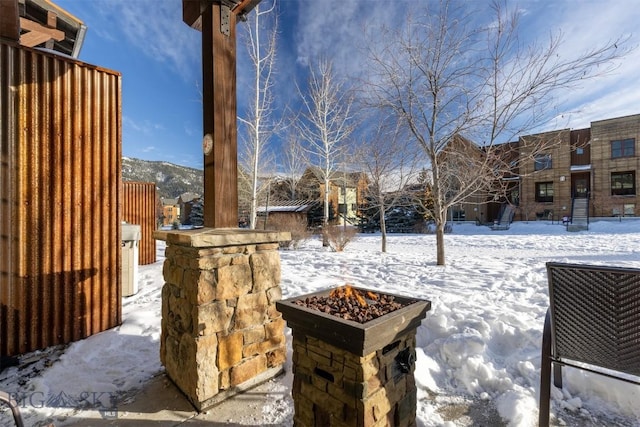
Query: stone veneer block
[[335, 387], [221, 334], [220, 237]]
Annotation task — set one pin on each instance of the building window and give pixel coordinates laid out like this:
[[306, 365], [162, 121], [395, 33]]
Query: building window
[[544, 191], [514, 197], [629, 209], [623, 148], [542, 162], [623, 183]]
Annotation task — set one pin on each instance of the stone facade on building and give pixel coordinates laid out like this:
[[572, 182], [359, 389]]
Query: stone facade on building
[[599, 163]]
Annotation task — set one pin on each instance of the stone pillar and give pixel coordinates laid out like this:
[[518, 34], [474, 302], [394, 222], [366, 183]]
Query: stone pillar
[[221, 332], [335, 387]]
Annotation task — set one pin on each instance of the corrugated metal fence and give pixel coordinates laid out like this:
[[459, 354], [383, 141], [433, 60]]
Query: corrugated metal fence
[[60, 152], [139, 201]]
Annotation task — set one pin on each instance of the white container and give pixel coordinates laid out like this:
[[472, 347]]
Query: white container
[[130, 239]]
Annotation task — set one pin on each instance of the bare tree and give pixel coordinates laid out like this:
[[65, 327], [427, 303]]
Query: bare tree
[[253, 188], [244, 196], [258, 122], [293, 163], [392, 162], [445, 77], [325, 123]]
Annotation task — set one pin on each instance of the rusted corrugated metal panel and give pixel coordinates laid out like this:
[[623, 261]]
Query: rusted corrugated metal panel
[[139, 201], [7, 132], [60, 190]]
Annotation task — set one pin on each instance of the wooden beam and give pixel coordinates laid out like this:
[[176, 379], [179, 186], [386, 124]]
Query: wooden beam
[[52, 22], [245, 6], [52, 19], [33, 26], [9, 22], [219, 120], [60, 12], [192, 11], [33, 38]]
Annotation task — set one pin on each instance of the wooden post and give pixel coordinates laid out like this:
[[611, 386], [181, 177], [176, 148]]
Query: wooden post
[[217, 21], [219, 119]]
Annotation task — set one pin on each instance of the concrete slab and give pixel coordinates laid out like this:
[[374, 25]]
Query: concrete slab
[[161, 404]]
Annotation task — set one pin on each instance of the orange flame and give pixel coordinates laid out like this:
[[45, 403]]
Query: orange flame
[[348, 292]]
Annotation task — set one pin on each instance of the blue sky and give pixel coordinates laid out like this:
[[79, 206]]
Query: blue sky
[[159, 58]]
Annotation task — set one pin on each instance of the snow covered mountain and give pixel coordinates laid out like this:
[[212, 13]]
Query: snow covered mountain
[[171, 180]]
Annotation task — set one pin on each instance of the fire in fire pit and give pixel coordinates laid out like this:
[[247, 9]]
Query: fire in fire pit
[[350, 303]]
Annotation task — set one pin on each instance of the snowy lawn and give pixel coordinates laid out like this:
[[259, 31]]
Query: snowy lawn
[[478, 349]]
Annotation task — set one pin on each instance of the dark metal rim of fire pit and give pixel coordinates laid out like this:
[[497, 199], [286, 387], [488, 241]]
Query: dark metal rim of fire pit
[[358, 338]]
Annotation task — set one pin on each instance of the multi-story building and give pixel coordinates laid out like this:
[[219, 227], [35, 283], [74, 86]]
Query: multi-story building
[[550, 173], [170, 211], [599, 164], [346, 192], [186, 202]]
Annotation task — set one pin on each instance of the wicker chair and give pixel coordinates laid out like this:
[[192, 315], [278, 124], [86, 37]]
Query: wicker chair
[[593, 322]]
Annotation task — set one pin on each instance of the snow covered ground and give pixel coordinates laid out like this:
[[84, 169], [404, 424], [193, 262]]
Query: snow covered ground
[[478, 349]]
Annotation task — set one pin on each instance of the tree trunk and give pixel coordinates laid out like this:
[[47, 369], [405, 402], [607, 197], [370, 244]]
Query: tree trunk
[[440, 217], [254, 193], [325, 219], [384, 240], [383, 226], [440, 242]]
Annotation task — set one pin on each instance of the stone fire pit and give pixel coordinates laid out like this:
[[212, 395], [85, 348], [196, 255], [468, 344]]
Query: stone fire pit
[[348, 373]]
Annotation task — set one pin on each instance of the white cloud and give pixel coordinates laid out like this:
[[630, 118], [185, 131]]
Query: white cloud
[[106, 35], [145, 127], [584, 26], [335, 28], [156, 29], [191, 130]]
